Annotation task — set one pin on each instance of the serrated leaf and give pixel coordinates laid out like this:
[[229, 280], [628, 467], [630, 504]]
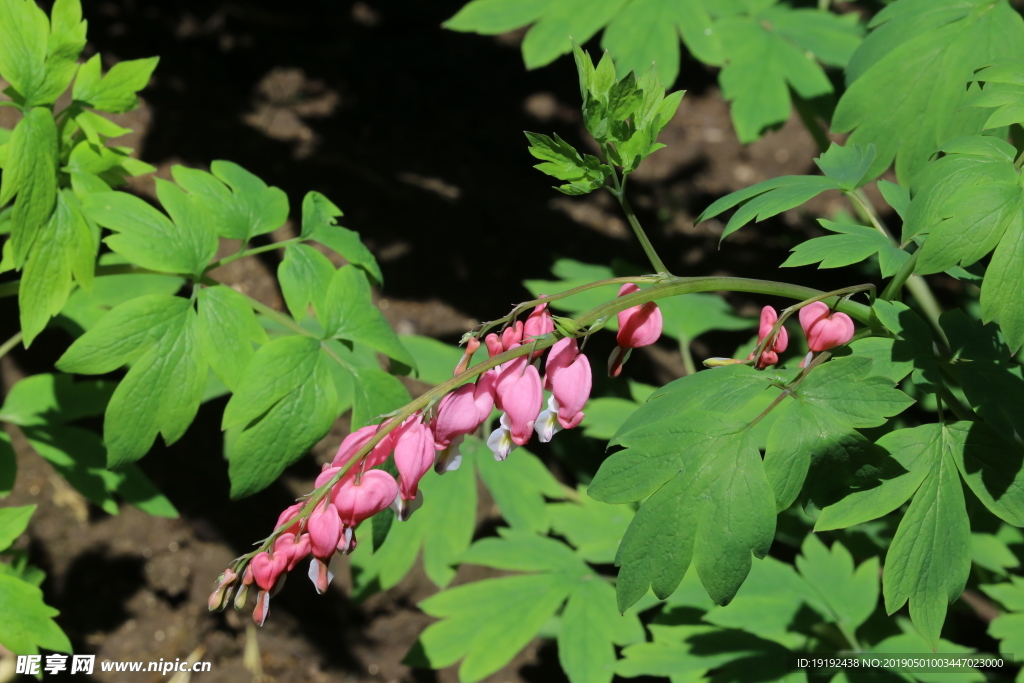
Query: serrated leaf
[[851, 595], [115, 91], [150, 239], [277, 369], [854, 243], [237, 203], [592, 527], [773, 598], [159, 394], [13, 522], [519, 486], [319, 223], [807, 436], [64, 246], [522, 551], [842, 386], [30, 177], [487, 622], [711, 503], [305, 275], [28, 621], [227, 328], [347, 312], [906, 81], [591, 627], [846, 165], [766, 199], [297, 419], [1004, 91], [376, 393], [769, 51], [930, 556], [561, 160]]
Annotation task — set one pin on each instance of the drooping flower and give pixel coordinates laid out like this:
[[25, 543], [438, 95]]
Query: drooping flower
[[568, 376], [355, 502], [459, 413], [770, 355], [357, 439], [266, 569], [324, 529], [518, 392], [414, 456], [638, 326], [824, 330]]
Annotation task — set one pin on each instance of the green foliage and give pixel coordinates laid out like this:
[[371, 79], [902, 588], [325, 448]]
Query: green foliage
[[28, 621], [906, 91], [238, 204]]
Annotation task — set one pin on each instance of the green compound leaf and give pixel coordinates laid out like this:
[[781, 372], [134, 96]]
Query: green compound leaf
[[914, 345], [906, 92], [28, 621], [149, 238], [807, 436], [238, 204], [773, 598], [992, 553], [992, 467], [847, 165], [591, 628], [592, 527], [30, 178], [852, 244], [991, 380], [851, 595], [64, 247], [23, 37], [711, 503], [1004, 92], [930, 556], [161, 392], [842, 386], [561, 160], [347, 312], [296, 405], [114, 92], [227, 329], [519, 486], [774, 48], [54, 399], [13, 522], [319, 222], [377, 393], [768, 198], [305, 275]]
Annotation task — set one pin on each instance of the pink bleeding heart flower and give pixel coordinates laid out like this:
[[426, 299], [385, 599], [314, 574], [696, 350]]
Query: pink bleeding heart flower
[[324, 530], [356, 440], [267, 570], [568, 376], [459, 413], [500, 441], [375, 491], [510, 338], [770, 355], [638, 326], [290, 514], [518, 392], [825, 331], [295, 548], [414, 456]]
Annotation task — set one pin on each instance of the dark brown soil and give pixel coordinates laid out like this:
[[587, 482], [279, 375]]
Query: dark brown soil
[[416, 133]]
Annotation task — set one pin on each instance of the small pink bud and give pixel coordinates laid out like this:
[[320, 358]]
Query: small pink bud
[[375, 491], [471, 346], [414, 456], [770, 356], [538, 324], [493, 342], [512, 336], [825, 331]]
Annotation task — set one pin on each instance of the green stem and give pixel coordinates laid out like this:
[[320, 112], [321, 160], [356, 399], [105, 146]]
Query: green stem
[[668, 287], [251, 252], [269, 312], [866, 212], [684, 351], [892, 289], [619, 192], [6, 347]]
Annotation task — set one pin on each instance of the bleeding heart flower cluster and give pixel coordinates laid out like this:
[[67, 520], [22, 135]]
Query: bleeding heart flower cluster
[[425, 441]]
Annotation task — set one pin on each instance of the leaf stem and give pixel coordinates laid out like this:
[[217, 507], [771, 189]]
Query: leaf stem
[[6, 347], [892, 289], [251, 252], [619, 192]]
